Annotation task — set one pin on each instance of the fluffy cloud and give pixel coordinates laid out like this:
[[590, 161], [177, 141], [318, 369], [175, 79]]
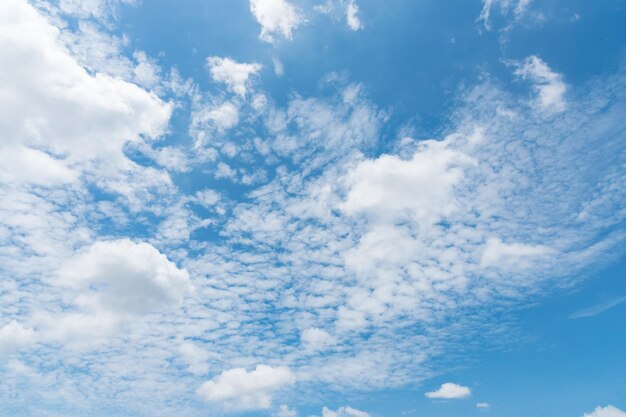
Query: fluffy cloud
[[234, 74], [14, 336], [56, 114], [208, 118], [241, 389], [275, 17], [391, 189], [352, 16], [499, 253], [548, 84], [608, 411], [316, 339], [124, 277], [345, 411], [196, 358], [285, 411], [450, 391]]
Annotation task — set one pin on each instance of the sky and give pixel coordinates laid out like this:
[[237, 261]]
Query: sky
[[313, 208]]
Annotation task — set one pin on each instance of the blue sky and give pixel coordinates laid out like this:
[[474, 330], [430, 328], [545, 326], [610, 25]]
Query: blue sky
[[330, 208]]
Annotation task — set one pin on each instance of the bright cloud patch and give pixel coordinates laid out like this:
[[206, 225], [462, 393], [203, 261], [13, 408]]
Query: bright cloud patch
[[548, 84], [276, 17], [450, 391], [345, 411], [13, 336], [352, 16], [247, 390], [285, 411], [391, 189], [608, 411], [499, 253], [234, 74], [54, 113], [124, 277]]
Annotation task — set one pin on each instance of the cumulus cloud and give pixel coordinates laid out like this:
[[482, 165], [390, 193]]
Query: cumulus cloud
[[124, 277], [276, 17], [391, 189], [13, 336], [209, 117], [234, 74], [608, 411], [65, 118], [242, 389], [548, 85], [450, 391]]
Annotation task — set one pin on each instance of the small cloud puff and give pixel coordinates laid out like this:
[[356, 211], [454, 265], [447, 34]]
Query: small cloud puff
[[285, 411], [608, 411], [345, 411], [14, 336], [450, 391], [275, 17], [234, 74], [548, 85], [242, 390], [352, 17]]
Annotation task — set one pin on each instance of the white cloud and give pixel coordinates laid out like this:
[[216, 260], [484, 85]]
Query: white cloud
[[345, 411], [518, 7], [196, 358], [315, 339], [13, 336], [124, 277], [482, 406], [450, 391], [240, 389], [352, 18], [285, 411], [92, 8], [608, 411], [275, 17], [234, 74], [209, 118], [57, 114], [146, 72], [391, 189], [498, 253], [225, 171], [548, 84]]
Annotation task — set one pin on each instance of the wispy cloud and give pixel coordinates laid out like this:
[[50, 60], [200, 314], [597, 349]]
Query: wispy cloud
[[598, 309]]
